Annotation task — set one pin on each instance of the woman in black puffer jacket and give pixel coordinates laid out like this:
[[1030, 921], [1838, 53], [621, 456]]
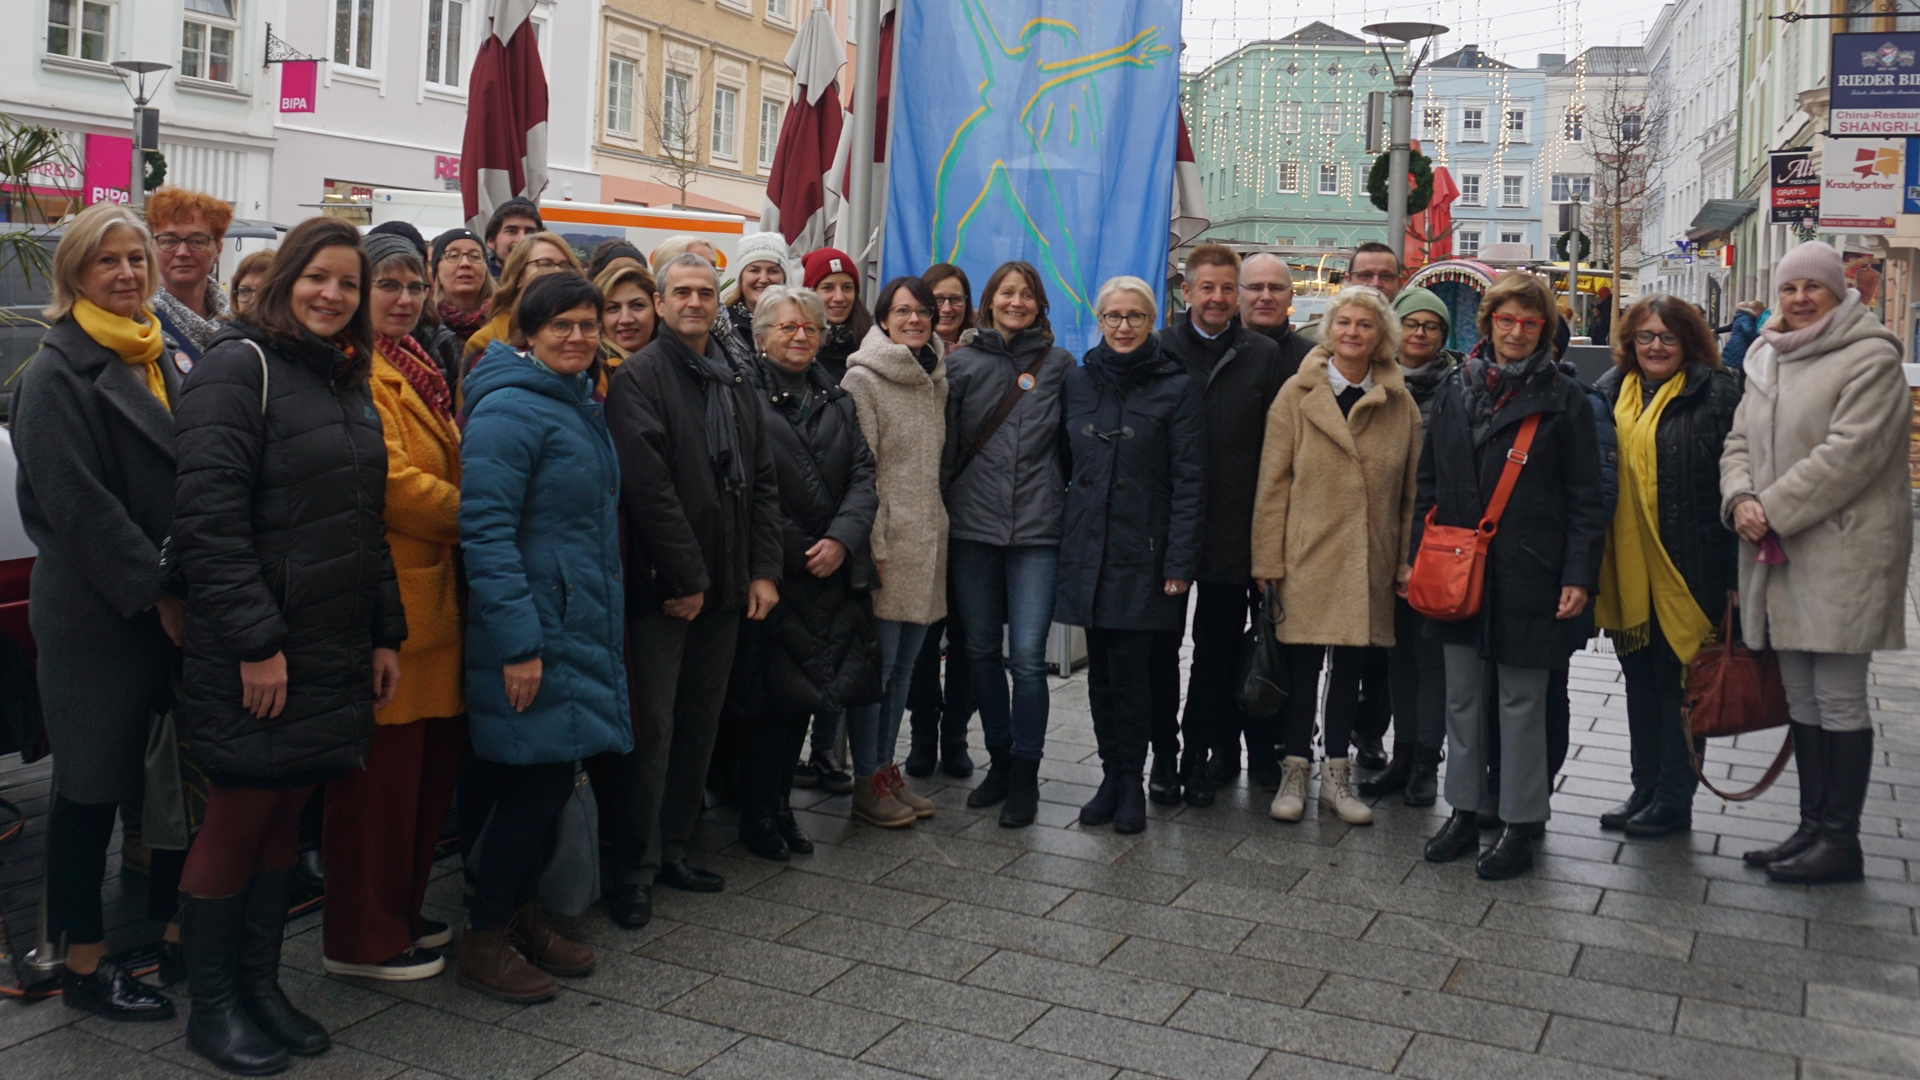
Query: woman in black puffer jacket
[[294, 617]]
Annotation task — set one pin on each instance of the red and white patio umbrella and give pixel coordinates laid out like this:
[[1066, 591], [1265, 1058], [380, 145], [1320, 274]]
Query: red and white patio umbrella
[[504, 153], [809, 166], [1190, 217]]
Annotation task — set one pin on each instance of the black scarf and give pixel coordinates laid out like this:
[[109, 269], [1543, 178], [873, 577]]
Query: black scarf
[[1119, 367], [717, 380], [742, 318], [1489, 386]]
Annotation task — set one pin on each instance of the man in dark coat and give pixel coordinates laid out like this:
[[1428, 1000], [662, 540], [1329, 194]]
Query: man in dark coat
[[702, 500], [1239, 371], [1266, 300]]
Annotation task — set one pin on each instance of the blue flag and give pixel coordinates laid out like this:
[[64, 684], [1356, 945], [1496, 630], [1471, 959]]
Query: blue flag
[[1040, 130]]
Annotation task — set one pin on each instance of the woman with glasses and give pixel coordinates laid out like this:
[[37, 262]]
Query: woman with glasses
[[1542, 565], [462, 287], [1136, 505], [898, 380], [1669, 560], [189, 231], [952, 301], [534, 257], [546, 682], [383, 820], [1330, 520]]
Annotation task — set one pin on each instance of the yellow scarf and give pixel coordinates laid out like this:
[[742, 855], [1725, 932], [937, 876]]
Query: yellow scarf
[[1636, 568], [138, 344]]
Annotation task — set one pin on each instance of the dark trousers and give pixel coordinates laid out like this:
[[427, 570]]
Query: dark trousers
[[1658, 747], [247, 831], [1418, 673], [1213, 721], [1130, 687], [1375, 714], [77, 839], [940, 715], [1343, 697], [383, 823], [1163, 676], [770, 743], [681, 669], [527, 804]]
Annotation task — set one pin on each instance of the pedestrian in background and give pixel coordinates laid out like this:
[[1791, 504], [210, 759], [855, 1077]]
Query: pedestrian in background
[[511, 222], [1132, 545], [545, 682], [1331, 518], [1238, 370], [898, 379], [189, 230], [830, 273], [1541, 567], [294, 618], [383, 820], [1006, 494], [92, 431], [1741, 333], [1815, 481]]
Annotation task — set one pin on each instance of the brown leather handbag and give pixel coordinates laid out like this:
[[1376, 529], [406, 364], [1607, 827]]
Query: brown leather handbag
[[1450, 570], [1733, 690]]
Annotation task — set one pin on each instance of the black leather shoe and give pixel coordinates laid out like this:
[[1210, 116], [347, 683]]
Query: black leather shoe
[[798, 842], [1023, 794], [1264, 775], [1369, 752], [1835, 854], [1164, 785], [686, 877], [1393, 778], [173, 967], [1099, 809], [1457, 837], [993, 790], [1510, 856], [1130, 815], [630, 906], [1616, 818], [1224, 768], [955, 761], [1423, 782], [310, 868], [760, 836], [921, 759], [112, 993], [1660, 818]]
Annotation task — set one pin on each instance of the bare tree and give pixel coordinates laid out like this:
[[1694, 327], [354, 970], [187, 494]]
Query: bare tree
[[676, 121], [1625, 131]]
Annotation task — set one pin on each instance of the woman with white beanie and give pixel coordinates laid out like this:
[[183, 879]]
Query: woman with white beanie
[[763, 260], [1814, 479]]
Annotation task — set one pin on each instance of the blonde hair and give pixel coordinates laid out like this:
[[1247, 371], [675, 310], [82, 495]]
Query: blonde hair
[[80, 241], [674, 246], [506, 295], [1375, 303], [1126, 283]]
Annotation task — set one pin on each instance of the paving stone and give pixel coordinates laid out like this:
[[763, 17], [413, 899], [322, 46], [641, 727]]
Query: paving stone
[[1661, 1055], [20, 1022], [917, 843], [756, 1059], [598, 1067], [1297, 1031], [1007, 930], [969, 1008], [1318, 952], [442, 993], [1806, 965], [1425, 1010], [1283, 851], [339, 1063], [1732, 922], [635, 980], [463, 1048], [1817, 905], [1205, 866], [1180, 1055], [1317, 916], [1565, 926], [1092, 845], [1566, 996], [783, 967], [1534, 891], [841, 897], [841, 861], [731, 912], [1284, 1066], [1098, 990], [1861, 1008], [1735, 986], [1181, 927], [776, 1014], [1474, 943], [1436, 1057], [1126, 880], [908, 950], [951, 1055], [1404, 899], [1897, 1055], [1238, 976], [987, 890], [68, 1054]]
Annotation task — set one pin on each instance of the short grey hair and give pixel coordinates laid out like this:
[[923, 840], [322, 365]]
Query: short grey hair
[[777, 297], [687, 258], [1375, 303], [1284, 267], [1127, 283]]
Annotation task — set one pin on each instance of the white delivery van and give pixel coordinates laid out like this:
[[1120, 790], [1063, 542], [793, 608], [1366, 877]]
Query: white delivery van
[[584, 225]]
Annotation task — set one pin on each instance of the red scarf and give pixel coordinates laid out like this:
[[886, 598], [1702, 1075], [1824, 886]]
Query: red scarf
[[421, 373], [463, 323]]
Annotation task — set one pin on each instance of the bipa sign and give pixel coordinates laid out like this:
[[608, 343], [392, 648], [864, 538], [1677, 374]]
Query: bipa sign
[[299, 85]]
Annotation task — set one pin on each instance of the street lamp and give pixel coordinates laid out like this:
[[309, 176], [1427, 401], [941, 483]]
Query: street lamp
[[1402, 121], [146, 122]]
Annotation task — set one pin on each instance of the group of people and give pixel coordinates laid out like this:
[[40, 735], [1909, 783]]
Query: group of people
[[474, 524]]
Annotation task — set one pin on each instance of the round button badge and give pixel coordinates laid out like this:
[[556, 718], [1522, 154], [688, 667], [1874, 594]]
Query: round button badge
[[1026, 381]]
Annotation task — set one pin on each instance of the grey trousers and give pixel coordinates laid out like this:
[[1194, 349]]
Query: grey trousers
[[1827, 690], [1524, 781], [679, 670]]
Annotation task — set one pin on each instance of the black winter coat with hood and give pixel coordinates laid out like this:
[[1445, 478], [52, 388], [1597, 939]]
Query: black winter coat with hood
[[1013, 492], [1238, 383], [1554, 530], [279, 536], [1137, 499], [1693, 431]]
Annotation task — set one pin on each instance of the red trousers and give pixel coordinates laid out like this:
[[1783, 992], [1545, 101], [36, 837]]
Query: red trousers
[[382, 824]]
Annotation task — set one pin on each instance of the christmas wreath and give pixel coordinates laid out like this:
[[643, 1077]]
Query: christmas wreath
[[1419, 165], [153, 170], [1560, 245]]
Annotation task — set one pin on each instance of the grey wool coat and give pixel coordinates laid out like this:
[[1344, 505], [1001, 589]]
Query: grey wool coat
[[903, 413], [95, 486], [1820, 438]]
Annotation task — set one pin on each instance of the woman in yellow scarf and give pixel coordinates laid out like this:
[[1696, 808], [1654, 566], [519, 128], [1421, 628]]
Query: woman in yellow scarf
[[1669, 559]]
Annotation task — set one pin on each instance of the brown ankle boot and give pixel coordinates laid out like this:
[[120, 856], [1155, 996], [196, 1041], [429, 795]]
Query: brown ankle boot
[[491, 965], [545, 947]]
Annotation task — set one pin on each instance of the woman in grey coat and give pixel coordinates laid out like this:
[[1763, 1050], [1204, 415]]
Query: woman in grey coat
[[92, 427], [1814, 479]]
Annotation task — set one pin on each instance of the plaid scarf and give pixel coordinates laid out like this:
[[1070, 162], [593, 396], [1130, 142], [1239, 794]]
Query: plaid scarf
[[463, 323], [421, 373]]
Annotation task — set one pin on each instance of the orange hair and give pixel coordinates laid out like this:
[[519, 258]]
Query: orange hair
[[170, 204]]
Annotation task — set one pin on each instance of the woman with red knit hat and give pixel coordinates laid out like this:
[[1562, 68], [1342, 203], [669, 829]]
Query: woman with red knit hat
[[833, 274]]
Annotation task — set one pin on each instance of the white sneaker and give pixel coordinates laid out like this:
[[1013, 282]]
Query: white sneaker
[[1337, 794], [1290, 802], [410, 965]]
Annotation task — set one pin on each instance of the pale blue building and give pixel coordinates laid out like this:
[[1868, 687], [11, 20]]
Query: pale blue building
[[1487, 122]]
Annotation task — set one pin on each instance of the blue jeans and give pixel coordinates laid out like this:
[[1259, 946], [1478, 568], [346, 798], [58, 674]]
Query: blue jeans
[[1011, 587], [873, 731]]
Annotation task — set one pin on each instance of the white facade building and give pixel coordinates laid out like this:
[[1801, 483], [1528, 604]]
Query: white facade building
[[1577, 95]]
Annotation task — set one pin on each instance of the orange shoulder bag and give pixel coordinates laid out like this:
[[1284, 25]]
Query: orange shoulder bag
[[1450, 569]]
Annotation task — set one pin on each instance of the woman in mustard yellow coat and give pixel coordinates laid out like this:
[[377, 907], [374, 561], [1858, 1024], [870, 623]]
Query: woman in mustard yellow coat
[[384, 819]]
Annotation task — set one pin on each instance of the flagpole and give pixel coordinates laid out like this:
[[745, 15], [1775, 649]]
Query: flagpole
[[866, 100]]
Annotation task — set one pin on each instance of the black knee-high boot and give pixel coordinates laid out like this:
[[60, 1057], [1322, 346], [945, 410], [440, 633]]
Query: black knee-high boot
[[260, 993], [219, 1029], [1835, 854], [1810, 766]]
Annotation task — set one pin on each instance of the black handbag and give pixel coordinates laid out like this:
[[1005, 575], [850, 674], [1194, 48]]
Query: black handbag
[[1265, 677]]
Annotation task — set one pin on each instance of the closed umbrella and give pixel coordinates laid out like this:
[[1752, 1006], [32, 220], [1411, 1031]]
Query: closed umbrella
[[809, 165], [504, 153], [1430, 232], [1190, 217]]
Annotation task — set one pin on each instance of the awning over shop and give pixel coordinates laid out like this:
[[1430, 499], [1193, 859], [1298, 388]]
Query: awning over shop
[[1720, 216]]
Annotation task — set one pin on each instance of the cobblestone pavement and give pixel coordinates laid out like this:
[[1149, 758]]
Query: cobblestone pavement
[[1219, 945]]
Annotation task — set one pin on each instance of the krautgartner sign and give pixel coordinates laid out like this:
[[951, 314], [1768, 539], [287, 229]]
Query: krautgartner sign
[[1876, 85]]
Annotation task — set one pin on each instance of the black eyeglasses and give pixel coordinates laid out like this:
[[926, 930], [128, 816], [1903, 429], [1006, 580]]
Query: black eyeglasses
[[197, 243], [414, 289], [1134, 319], [1648, 337]]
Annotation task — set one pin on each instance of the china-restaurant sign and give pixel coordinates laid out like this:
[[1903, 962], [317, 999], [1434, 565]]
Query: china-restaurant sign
[[1862, 185], [1875, 85]]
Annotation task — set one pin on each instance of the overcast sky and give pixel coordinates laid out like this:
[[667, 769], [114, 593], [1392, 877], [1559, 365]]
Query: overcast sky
[[1512, 30]]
